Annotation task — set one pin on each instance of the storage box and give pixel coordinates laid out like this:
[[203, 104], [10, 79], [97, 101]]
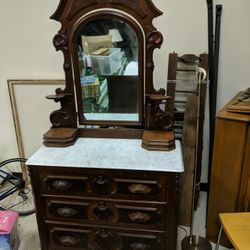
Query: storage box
[[93, 43], [9, 239], [106, 64], [96, 100], [90, 87]]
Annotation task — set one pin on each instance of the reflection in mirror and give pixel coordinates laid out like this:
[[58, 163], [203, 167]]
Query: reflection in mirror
[[108, 62]]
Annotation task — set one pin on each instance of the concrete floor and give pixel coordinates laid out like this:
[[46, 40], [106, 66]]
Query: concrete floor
[[29, 239]]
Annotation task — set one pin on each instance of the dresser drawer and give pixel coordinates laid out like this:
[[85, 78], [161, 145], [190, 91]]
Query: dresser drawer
[[113, 213], [105, 239], [112, 184]]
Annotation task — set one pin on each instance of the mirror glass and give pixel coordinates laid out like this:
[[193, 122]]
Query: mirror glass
[[107, 50]]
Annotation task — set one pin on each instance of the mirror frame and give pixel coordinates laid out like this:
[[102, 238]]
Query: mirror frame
[[140, 37], [70, 13]]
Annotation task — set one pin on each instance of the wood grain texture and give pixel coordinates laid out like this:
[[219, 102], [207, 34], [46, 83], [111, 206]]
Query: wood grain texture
[[189, 153], [72, 216], [237, 228], [229, 186]]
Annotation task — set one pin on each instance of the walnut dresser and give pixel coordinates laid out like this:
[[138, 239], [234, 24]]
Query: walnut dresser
[[106, 194]]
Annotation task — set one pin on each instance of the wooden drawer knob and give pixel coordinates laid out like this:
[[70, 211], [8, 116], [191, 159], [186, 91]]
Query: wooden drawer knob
[[66, 212], [139, 189], [139, 246], [69, 241], [103, 212], [101, 184], [139, 217], [103, 239], [61, 185], [101, 180], [102, 206], [104, 234]]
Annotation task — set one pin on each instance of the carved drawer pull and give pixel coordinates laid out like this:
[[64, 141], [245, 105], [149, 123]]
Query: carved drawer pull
[[102, 206], [104, 239], [139, 246], [69, 241], [61, 185], [139, 189], [100, 184], [66, 212], [139, 217], [103, 212], [104, 234]]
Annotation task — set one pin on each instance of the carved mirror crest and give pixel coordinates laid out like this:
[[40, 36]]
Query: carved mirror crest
[[108, 62]]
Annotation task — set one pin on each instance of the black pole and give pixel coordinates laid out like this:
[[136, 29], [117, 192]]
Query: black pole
[[211, 75], [210, 67], [213, 87], [210, 40], [216, 53]]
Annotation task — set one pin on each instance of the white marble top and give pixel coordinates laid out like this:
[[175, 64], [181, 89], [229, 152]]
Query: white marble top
[[122, 154]]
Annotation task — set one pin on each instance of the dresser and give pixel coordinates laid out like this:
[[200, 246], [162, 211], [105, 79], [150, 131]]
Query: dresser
[[230, 174], [106, 194]]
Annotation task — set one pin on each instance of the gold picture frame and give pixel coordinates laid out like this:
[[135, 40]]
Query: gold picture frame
[[22, 93]]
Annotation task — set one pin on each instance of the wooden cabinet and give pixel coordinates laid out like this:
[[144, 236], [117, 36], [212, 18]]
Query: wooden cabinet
[[230, 174], [85, 207]]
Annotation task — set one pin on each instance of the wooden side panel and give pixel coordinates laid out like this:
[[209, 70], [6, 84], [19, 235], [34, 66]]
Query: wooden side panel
[[247, 201], [180, 68], [244, 197], [228, 154], [188, 150], [172, 65]]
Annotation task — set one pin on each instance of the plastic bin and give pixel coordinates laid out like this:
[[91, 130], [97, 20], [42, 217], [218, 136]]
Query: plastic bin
[[108, 64]]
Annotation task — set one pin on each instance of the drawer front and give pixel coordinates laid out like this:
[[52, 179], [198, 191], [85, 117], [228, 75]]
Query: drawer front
[[105, 239], [64, 185], [143, 216], [109, 184]]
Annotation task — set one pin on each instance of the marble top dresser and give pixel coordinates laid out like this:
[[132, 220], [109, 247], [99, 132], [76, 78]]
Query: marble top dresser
[[106, 194]]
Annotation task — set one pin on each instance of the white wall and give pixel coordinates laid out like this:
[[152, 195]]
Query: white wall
[[26, 50], [184, 26]]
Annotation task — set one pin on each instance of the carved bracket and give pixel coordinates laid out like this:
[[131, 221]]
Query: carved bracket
[[66, 116], [157, 117]]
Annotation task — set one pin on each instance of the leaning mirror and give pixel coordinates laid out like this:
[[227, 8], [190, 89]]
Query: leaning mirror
[[108, 73]]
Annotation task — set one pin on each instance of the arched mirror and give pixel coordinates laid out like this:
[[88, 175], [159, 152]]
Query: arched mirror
[[108, 52]]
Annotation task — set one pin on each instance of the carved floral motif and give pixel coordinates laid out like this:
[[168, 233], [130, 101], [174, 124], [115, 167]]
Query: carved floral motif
[[154, 39], [63, 117], [60, 41]]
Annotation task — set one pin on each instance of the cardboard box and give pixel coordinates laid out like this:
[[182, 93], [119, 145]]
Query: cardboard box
[[93, 43], [90, 87], [9, 239]]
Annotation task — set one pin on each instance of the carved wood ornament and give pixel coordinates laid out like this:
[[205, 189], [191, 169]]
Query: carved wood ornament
[[71, 14]]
